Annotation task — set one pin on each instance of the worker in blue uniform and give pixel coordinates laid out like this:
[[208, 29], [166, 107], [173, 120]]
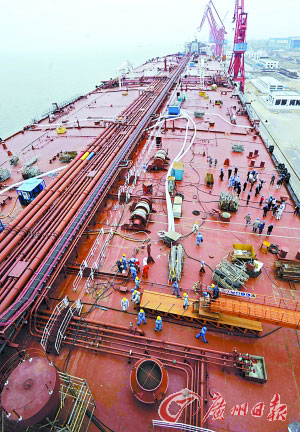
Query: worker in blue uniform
[[261, 226], [133, 272], [141, 317], [136, 298], [124, 262], [158, 324], [137, 283], [124, 304], [133, 291], [185, 301], [176, 289], [216, 292], [206, 298], [202, 334], [199, 238], [131, 262]]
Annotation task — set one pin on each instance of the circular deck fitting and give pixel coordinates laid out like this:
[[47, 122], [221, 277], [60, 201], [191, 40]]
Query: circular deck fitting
[[149, 380], [31, 392], [225, 216]]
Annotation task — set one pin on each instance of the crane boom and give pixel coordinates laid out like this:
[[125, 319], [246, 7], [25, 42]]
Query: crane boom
[[237, 68], [217, 28]]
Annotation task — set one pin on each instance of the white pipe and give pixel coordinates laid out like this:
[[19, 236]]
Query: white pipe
[[40, 175], [171, 224], [180, 155], [193, 137]]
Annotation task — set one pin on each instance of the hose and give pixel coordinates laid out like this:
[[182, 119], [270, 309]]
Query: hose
[[126, 237], [4, 217]]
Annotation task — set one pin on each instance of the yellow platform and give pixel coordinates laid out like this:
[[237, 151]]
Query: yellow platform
[[166, 304]]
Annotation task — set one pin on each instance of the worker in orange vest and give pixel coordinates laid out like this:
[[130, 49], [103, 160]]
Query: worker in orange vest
[[145, 271]]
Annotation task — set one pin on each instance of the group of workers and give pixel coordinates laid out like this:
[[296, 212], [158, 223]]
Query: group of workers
[[141, 315], [141, 319], [271, 204], [134, 266], [252, 178], [211, 294]]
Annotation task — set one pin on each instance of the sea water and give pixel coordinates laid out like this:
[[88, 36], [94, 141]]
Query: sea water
[[31, 81]]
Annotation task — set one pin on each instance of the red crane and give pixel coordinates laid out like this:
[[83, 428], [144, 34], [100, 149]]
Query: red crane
[[236, 67], [217, 30]]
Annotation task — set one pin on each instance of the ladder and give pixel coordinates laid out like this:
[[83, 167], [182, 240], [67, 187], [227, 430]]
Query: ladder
[[72, 310], [57, 324], [50, 324]]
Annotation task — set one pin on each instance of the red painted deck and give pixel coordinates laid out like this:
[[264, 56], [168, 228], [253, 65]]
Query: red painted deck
[[108, 375]]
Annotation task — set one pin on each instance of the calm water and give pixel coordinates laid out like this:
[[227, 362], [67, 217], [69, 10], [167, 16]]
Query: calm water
[[29, 83]]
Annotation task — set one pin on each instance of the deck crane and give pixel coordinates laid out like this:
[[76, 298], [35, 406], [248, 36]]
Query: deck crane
[[236, 67], [217, 30]]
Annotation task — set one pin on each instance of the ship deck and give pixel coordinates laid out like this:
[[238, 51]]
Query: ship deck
[[107, 367]]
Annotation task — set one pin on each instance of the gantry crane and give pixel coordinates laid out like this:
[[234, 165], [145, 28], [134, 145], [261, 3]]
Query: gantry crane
[[217, 30], [236, 67]]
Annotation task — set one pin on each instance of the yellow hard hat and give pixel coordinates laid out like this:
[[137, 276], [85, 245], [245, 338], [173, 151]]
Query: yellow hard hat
[[142, 310], [137, 278], [135, 291], [159, 318], [184, 294], [124, 255], [196, 222], [124, 298], [212, 285]]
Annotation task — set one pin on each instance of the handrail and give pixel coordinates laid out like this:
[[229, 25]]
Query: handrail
[[264, 300], [179, 426]]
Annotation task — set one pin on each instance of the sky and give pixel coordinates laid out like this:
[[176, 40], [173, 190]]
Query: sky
[[61, 25]]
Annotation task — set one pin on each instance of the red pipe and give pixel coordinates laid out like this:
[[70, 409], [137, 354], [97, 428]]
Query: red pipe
[[36, 261], [202, 382], [33, 207]]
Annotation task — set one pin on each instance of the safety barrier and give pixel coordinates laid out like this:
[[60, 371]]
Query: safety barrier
[[60, 105]]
